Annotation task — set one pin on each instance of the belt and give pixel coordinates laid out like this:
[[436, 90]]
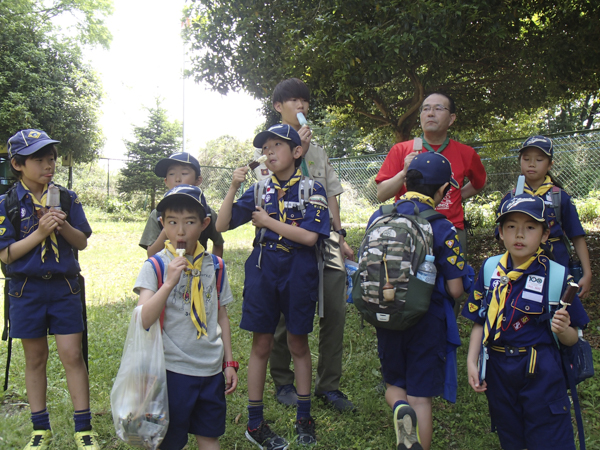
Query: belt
[[531, 352], [274, 247]]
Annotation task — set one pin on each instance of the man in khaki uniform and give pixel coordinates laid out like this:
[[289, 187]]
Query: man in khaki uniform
[[291, 97]]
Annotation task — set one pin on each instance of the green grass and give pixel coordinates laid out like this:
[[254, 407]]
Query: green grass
[[110, 265]]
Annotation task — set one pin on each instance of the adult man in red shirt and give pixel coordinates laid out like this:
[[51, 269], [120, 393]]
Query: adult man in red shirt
[[438, 113]]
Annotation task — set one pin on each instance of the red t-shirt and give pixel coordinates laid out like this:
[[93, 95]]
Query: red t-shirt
[[465, 164]]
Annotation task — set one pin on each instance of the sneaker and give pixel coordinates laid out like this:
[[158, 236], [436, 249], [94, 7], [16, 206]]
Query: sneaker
[[265, 439], [86, 440], [40, 440], [287, 395], [338, 400], [305, 427], [407, 430]]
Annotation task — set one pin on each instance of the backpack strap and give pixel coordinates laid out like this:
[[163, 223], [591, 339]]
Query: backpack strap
[[488, 270], [219, 266], [556, 200], [159, 270], [305, 192]]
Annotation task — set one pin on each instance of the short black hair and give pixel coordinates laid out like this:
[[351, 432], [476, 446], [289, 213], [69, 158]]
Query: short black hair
[[181, 163], [502, 219], [290, 88], [450, 100], [20, 159], [413, 183], [179, 204]]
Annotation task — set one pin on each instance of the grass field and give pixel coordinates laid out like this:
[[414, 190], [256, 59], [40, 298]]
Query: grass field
[[110, 265]]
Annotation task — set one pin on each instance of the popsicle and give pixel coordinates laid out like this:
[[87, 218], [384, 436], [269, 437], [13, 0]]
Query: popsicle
[[254, 164], [569, 294], [53, 199], [417, 144], [301, 119], [180, 249]]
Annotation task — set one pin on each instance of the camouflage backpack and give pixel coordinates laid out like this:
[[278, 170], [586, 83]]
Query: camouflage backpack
[[402, 240]]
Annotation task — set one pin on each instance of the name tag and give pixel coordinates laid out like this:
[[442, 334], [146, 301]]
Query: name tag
[[538, 298], [535, 283]]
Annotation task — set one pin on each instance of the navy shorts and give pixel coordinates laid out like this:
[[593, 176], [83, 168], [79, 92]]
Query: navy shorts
[[532, 413], [196, 406], [414, 359], [287, 284], [39, 306]]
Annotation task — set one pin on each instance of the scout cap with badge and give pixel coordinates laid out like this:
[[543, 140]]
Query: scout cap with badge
[[528, 204], [27, 142], [285, 132], [183, 158], [541, 142], [435, 169], [183, 191]]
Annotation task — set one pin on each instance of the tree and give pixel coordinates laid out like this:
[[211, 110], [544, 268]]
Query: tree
[[376, 61], [226, 151], [44, 82], [156, 140]]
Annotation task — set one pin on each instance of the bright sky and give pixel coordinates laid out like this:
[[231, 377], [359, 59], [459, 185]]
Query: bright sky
[[145, 61]]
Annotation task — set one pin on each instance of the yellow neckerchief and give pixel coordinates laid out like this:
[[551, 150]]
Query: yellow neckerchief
[[197, 311], [495, 311], [40, 205], [411, 195], [282, 216], [545, 187]]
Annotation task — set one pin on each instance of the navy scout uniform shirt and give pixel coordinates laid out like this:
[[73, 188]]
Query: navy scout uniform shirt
[[524, 304], [31, 264], [316, 216]]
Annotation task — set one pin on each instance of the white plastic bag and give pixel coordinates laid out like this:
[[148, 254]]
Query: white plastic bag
[[139, 399]]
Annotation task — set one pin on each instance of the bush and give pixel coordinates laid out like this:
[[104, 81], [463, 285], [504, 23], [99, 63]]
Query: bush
[[480, 210]]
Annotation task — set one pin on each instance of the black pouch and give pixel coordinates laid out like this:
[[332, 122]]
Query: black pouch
[[580, 359]]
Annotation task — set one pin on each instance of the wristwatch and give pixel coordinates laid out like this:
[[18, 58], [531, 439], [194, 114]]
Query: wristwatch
[[234, 364], [341, 232]]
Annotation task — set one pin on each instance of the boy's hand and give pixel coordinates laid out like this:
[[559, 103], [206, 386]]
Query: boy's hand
[[305, 134], [239, 176], [561, 321], [48, 223], [231, 380], [178, 265], [585, 284], [59, 216], [474, 378], [260, 218]]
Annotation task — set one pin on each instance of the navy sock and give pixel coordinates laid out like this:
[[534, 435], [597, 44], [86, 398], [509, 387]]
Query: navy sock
[[398, 403], [255, 413], [41, 419], [303, 406], [83, 420]]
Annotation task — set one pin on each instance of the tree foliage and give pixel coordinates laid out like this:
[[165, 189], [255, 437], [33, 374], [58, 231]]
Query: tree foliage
[[375, 61], [158, 138], [44, 82], [226, 151]]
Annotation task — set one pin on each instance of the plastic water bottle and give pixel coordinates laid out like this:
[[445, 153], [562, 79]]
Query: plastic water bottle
[[427, 270], [575, 269]]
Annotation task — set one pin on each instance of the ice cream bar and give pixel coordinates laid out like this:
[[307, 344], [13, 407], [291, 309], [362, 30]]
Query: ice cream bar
[[569, 294], [417, 144], [180, 249], [53, 199], [301, 119], [254, 164]]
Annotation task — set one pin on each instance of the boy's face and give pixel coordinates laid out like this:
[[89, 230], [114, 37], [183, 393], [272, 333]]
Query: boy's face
[[289, 109], [181, 174], [183, 226], [522, 235], [37, 170], [280, 158], [535, 164]]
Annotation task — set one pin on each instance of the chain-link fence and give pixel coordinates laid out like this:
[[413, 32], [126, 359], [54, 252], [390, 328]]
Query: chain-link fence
[[576, 167]]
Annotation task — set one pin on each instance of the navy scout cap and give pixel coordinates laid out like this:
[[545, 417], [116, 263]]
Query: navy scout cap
[[185, 158], [435, 168], [183, 190], [27, 142], [541, 142], [285, 132], [528, 204]]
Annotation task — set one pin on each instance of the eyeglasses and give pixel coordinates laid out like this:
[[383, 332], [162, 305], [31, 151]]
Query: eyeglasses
[[436, 108]]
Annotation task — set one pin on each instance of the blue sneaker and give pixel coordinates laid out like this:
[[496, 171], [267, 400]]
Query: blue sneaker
[[266, 439], [287, 395], [337, 399], [407, 431]]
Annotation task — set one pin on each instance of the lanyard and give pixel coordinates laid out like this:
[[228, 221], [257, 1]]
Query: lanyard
[[439, 150]]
